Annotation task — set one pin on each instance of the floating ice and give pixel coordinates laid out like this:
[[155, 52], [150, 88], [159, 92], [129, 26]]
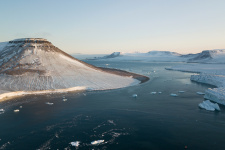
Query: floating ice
[[64, 99], [97, 142], [172, 94], [48, 103], [16, 110], [1, 112], [134, 95], [200, 93], [76, 143], [153, 92], [160, 92], [181, 91], [209, 106], [21, 106]]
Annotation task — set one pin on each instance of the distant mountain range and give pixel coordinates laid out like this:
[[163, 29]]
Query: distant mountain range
[[206, 56]]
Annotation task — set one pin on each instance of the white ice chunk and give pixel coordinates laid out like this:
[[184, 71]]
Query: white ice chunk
[[97, 142], [181, 91], [134, 95], [153, 92], [2, 110], [76, 143], [172, 94], [64, 99], [16, 110], [160, 92], [48, 103], [209, 106], [21, 106], [200, 93]]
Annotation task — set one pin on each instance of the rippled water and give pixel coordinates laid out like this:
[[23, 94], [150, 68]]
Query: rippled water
[[150, 121]]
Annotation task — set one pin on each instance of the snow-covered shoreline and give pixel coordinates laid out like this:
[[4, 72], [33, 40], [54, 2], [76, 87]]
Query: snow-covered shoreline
[[213, 74], [9, 95]]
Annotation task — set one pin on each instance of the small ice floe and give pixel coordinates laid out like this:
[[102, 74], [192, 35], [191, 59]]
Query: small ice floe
[[172, 94], [111, 122], [106, 64], [160, 92], [209, 106], [21, 106], [64, 99], [76, 143], [1, 112], [48, 103], [97, 142], [16, 110], [134, 95], [181, 91], [153, 93], [200, 93]]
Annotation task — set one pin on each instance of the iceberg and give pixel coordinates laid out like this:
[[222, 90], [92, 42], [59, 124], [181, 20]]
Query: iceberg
[[64, 99], [48, 103], [16, 110], [134, 95], [172, 94], [209, 106], [2, 110], [76, 143], [97, 142], [200, 93], [153, 93]]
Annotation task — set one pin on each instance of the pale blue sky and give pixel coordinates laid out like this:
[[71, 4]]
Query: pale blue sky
[[105, 26]]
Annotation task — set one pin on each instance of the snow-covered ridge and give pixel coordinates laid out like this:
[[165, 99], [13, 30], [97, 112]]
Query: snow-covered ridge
[[149, 56], [206, 56], [37, 65]]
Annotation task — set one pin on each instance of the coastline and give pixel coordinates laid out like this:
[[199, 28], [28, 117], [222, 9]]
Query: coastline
[[14, 94], [139, 77], [10, 95]]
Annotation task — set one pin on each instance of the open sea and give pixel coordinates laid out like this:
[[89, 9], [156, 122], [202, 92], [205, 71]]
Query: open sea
[[151, 121]]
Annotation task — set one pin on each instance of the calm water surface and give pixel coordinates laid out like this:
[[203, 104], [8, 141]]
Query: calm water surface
[[150, 121]]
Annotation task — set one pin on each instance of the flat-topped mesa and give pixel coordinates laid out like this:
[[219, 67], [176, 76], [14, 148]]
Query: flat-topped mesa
[[30, 40]]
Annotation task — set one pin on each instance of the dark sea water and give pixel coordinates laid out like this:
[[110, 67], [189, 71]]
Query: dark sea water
[[150, 121]]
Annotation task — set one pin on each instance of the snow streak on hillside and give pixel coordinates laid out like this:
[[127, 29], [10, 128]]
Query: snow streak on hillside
[[35, 64]]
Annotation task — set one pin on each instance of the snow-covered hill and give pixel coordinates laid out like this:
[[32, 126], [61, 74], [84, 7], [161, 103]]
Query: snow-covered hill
[[209, 56], [34, 64]]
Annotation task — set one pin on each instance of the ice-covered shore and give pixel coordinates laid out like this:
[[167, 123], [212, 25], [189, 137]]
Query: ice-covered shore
[[213, 74]]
